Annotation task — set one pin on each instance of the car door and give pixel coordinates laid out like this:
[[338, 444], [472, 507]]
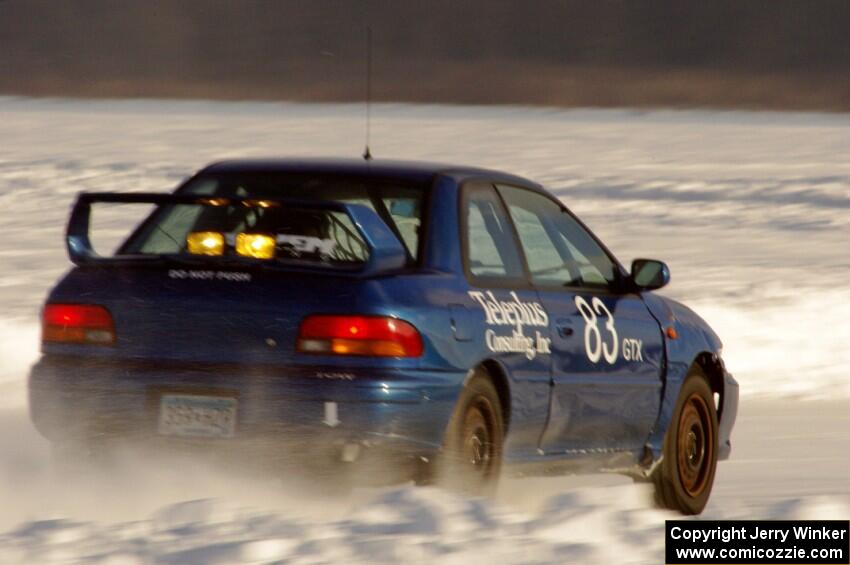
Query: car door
[[606, 347], [510, 324]]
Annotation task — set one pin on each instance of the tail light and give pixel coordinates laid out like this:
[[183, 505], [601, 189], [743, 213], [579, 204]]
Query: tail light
[[359, 335], [77, 323]]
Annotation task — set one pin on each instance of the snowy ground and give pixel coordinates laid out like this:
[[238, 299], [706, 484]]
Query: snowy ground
[[751, 210]]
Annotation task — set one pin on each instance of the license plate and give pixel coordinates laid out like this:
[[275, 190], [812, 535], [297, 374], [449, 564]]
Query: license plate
[[188, 415]]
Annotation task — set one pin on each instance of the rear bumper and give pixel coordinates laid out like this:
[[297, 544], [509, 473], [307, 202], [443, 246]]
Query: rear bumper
[[728, 414], [295, 410]]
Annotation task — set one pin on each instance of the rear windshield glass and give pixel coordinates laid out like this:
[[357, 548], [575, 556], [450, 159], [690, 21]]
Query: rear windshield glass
[[300, 233]]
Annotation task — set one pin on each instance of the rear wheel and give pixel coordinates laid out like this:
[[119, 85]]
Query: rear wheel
[[685, 477], [472, 449]]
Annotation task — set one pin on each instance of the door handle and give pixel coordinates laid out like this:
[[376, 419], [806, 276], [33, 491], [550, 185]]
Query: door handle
[[564, 328]]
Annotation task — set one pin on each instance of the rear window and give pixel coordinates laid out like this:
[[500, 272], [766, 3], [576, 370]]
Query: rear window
[[301, 233]]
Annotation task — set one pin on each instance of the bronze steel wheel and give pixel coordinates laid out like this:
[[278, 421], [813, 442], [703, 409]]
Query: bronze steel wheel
[[472, 449], [477, 436], [684, 479], [695, 449]]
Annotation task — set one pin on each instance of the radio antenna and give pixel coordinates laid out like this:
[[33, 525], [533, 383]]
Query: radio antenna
[[367, 155]]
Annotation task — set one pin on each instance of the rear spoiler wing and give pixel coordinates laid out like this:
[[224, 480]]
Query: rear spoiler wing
[[386, 252]]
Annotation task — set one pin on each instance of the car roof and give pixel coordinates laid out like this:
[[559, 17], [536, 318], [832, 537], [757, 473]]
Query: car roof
[[409, 170]]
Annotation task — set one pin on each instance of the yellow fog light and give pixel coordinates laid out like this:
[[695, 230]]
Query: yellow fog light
[[205, 243], [255, 245]]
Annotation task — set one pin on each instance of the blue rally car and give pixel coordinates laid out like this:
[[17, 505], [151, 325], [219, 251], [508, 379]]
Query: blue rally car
[[451, 322]]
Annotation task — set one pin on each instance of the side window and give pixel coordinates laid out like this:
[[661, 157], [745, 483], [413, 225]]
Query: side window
[[407, 217], [558, 249], [545, 261], [490, 249]]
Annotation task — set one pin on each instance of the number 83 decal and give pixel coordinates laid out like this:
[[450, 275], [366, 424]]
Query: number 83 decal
[[594, 344]]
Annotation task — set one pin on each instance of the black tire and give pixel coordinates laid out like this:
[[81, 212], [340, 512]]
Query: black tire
[[684, 479], [471, 459]]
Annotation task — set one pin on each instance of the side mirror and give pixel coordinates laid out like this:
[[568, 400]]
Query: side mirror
[[649, 274]]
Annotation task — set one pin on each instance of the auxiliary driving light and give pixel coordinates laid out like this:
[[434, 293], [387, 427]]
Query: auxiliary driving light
[[256, 245], [205, 243], [214, 201], [260, 203]]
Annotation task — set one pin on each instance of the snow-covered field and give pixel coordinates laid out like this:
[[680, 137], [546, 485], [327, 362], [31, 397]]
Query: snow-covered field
[[751, 210]]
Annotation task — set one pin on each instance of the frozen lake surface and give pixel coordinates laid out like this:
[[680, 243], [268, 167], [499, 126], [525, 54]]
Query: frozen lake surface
[[751, 211]]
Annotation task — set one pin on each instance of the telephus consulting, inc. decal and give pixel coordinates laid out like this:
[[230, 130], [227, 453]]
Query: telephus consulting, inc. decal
[[517, 314]]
